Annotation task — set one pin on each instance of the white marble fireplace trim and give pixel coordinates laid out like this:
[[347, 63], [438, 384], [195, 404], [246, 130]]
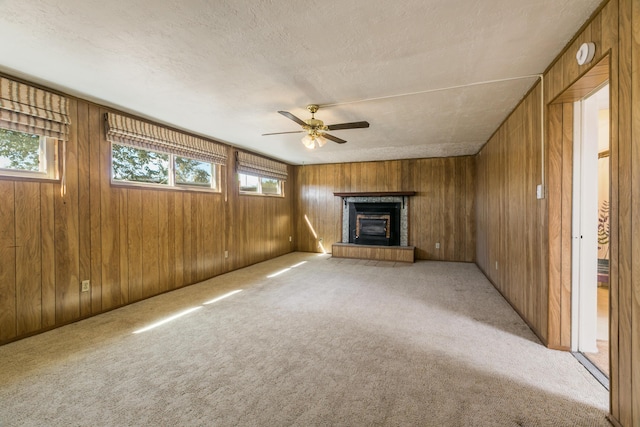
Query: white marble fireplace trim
[[404, 214]]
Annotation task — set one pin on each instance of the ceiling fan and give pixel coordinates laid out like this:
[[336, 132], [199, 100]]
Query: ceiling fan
[[315, 129]]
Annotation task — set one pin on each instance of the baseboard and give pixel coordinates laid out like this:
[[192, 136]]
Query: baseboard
[[558, 347], [613, 421], [536, 333]]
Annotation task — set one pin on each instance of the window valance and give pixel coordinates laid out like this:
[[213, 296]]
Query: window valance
[[25, 108], [125, 130], [260, 166]]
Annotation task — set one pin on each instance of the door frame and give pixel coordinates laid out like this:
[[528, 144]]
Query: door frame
[[560, 120], [584, 226]]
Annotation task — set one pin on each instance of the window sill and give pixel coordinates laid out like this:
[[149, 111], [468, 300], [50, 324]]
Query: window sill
[[29, 178], [161, 187], [278, 196]]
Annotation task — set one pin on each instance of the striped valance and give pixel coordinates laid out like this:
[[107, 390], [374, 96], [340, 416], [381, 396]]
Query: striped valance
[[125, 130], [260, 166], [28, 109]]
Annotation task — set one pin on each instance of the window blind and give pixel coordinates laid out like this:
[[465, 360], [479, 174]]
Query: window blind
[[128, 131], [259, 166], [28, 109]]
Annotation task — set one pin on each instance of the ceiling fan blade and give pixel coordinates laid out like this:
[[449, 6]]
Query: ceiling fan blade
[[334, 138], [292, 117], [353, 125], [282, 133]]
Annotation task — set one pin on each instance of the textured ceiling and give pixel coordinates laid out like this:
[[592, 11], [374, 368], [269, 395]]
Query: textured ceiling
[[223, 68]]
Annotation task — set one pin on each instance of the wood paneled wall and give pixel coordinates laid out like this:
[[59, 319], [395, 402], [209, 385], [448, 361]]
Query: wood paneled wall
[[511, 244], [442, 211], [131, 243], [134, 243], [542, 270]]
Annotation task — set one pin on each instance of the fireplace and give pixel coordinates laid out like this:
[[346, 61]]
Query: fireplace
[[374, 223], [375, 226]]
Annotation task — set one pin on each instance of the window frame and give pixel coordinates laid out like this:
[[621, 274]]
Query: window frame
[[171, 182], [49, 163], [259, 189]]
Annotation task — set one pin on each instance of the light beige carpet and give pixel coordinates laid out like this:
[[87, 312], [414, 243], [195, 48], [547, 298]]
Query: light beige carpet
[[328, 342]]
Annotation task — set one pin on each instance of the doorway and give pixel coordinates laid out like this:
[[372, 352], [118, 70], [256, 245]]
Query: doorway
[[590, 231]]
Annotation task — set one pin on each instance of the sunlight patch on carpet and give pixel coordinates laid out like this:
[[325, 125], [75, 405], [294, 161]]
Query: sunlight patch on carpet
[[221, 297], [167, 320]]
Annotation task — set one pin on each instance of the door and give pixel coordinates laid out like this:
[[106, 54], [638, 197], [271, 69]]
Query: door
[[590, 229]]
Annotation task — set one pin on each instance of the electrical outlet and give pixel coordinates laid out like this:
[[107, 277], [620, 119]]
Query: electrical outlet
[[496, 265], [539, 191], [86, 285], [290, 239], [438, 245], [226, 254]]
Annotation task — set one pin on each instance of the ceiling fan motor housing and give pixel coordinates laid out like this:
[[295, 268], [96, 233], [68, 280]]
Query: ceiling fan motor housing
[[315, 124]]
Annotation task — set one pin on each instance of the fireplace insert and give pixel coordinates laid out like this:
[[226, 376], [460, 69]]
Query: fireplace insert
[[374, 224]]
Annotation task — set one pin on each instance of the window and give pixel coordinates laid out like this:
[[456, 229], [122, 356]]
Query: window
[[33, 124], [194, 172], [146, 154], [260, 175], [27, 155], [270, 186], [250, 184], [137, 165], [147, 167]]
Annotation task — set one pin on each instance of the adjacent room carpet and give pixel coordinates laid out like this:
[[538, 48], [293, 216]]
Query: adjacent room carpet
[[324, 342]]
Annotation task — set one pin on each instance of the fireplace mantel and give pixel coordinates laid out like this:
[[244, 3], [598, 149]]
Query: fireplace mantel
[[376, 194], [358, 194]]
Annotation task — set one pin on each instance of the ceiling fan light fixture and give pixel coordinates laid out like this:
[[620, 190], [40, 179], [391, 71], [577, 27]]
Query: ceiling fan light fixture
[[314, 140], [309, 141], [315, 129]]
